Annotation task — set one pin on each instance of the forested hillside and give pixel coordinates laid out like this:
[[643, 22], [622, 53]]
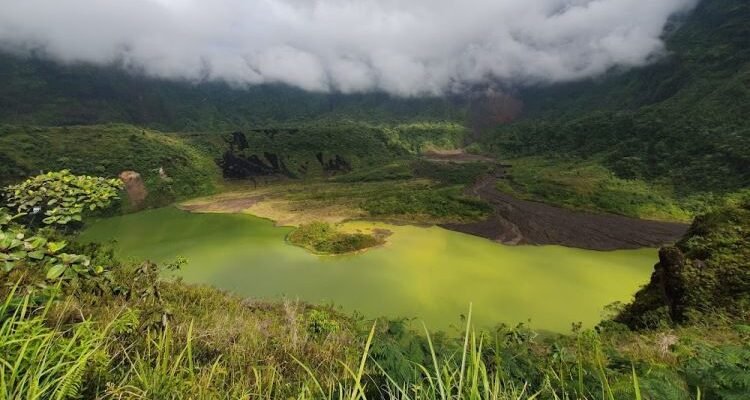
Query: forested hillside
[[678, 127], [36, 91], [682, 120], [170, 168]]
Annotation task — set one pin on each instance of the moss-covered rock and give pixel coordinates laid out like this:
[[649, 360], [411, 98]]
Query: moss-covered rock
[[707, 271]]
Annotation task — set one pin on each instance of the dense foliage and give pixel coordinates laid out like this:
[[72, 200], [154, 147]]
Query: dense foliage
[[61, 197], [682, 120], [323, 238], [56, 199], [76, 322], [707, 272], [37, 91], [323, 149], [39, 255], [587, 185], [446, 203], [107, 150], [40, 361], [135, 335]]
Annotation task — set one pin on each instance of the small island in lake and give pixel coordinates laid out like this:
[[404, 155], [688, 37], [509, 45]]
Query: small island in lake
[[324, 239]]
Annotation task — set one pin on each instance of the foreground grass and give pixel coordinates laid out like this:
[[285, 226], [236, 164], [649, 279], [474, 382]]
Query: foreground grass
[[77, 349]]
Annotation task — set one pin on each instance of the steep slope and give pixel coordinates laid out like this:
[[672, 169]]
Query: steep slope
[[36, 91], [682, 120], [170, 168], [323, 147], [708, 271]]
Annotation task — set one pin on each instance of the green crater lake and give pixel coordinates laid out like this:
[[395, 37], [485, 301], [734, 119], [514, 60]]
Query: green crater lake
[[431, 274]]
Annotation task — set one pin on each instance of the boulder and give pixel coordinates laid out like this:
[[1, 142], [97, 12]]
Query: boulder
[[135, 188]]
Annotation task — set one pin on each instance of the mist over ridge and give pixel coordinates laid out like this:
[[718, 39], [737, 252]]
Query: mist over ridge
[[421, 47]]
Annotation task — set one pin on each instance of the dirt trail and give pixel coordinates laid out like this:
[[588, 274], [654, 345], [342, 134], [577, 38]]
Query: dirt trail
[[456, 156], [516, 221], [222, 205]]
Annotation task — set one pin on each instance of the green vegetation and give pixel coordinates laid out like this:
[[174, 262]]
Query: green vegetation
[[586, 185], [451, 173], [405, 191], [326, 148], [323, 238], [707, 272], [137, 336], [667, 141], [107, 150], [61, 197], [426, 203], [36, 91], [43, 361], [410, 200], [45, 257], [680, 122]]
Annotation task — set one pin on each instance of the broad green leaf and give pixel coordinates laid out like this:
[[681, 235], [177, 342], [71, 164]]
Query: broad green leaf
[[55, 247], [19, 255], [56, 271], [35, 243], [8, 266]]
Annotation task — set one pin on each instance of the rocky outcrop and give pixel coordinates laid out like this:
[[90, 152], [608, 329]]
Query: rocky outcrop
[[708, 271], [240, 161], [135, 188]]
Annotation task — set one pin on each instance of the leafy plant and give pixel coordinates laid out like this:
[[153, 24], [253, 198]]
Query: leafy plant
[[40, 362], [320, 324], [61, 197], [39, 255]]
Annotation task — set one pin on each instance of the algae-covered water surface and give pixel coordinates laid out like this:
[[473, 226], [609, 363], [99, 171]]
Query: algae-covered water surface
[[431, 274]]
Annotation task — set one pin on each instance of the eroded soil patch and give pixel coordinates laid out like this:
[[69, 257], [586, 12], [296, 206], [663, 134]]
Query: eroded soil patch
[[516, 221], [457, 156], [227, 203]]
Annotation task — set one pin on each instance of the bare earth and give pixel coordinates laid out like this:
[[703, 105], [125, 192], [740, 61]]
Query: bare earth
[[222, 205], [513, 221], [516, 221], [456, 156]]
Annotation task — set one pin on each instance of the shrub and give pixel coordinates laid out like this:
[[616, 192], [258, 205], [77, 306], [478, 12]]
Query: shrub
[[323, 238], [61, 197]]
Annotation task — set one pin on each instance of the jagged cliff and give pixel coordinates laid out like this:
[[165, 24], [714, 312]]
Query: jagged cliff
[[707, 271]]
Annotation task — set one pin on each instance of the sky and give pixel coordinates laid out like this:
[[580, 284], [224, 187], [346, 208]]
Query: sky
[[403, 47]]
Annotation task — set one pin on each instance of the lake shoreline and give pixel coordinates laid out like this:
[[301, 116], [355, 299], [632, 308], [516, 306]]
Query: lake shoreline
[[427, 273], [512, 221]]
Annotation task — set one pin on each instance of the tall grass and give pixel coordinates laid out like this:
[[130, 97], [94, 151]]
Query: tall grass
[[466, 376], [39, 362]]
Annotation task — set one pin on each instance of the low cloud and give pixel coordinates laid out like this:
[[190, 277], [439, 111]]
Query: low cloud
[[404, 47]]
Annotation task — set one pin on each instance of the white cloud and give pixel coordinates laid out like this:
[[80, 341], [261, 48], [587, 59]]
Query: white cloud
[[404, 47]]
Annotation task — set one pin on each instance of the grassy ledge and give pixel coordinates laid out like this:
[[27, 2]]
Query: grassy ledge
[[324, 239]]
